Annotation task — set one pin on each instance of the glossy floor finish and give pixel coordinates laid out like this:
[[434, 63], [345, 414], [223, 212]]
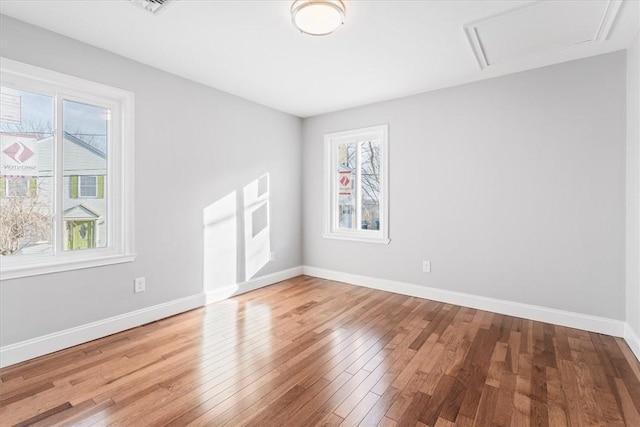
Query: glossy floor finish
[[310, 352]]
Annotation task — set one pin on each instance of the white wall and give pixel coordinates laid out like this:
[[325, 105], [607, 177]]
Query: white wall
[[513, 187], [194, 145], [633, 187]]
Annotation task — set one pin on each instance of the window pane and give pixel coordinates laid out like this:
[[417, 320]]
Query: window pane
[[346, 188], [26, 172], [16, 187], [84, 157], [370, 186], [88, 186]]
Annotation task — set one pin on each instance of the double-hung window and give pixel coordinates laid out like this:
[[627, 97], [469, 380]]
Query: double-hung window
[[66, 166], [356, 185]]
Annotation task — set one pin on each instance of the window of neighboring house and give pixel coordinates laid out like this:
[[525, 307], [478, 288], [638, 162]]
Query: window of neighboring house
[[87, 186], [356, 185], [66, 148], [18, 187]]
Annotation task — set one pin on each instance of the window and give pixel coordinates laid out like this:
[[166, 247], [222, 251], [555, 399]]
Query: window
[[87, 186], [66, 169], [357, 185], [18, 187]]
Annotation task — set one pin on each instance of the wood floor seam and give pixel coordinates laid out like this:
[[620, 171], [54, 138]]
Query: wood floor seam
[[315, 352]]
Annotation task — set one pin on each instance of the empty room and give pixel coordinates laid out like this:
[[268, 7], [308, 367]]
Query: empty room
[[320, 212]]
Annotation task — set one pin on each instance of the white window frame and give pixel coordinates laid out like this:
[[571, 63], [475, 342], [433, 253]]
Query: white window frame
[[331, 217], [95, 187], [118, 182]]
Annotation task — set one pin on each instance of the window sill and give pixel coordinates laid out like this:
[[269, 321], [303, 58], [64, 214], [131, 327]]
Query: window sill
[[357, 238], [61, 265]]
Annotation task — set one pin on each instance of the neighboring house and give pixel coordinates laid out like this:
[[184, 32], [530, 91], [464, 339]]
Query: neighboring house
[[83, 190], [84, 201]]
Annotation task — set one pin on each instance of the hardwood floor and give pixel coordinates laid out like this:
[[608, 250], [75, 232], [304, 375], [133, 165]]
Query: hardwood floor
[[310, 352]]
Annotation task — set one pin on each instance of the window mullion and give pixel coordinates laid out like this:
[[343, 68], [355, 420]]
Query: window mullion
[[58, 176], [358, 185], [334, 194]]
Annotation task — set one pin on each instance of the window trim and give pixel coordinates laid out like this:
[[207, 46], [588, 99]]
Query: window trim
[[331, 141], [119, 180]]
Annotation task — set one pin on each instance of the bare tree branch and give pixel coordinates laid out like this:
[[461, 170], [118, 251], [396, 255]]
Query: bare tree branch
[[23, 220]]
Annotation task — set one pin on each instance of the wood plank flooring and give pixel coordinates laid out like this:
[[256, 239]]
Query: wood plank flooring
[[309, 352]]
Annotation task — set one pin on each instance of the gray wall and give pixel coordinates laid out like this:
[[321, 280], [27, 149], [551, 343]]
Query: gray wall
[[194, 145], [513, 187], [633, 186]]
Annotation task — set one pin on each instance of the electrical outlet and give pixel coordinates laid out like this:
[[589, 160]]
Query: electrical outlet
[[426, 266], [272, 256], [139, 285]]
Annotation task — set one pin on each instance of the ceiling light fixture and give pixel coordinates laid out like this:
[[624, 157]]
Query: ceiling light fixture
[[317, 17]]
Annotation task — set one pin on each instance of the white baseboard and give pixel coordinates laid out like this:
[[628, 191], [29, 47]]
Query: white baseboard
[[251, 285], [35, 347], [543, 314], [29, 349], [632, 340]]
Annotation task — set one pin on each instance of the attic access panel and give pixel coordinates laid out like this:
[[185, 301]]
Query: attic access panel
[[538, 28]]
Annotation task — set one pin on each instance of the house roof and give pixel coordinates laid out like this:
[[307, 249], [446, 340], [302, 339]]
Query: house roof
[[81, 212], [84, 144]]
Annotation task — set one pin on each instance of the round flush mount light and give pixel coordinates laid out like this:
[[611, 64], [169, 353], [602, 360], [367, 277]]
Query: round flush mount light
[[317, 17]]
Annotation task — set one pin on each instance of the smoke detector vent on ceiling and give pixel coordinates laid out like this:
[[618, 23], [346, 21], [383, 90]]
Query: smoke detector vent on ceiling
[[153, 6]]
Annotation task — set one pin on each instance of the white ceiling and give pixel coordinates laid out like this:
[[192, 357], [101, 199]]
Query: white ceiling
[[386, 49]]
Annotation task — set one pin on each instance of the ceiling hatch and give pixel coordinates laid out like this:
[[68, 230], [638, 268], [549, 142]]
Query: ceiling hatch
[[153, 6], [538, 28]]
